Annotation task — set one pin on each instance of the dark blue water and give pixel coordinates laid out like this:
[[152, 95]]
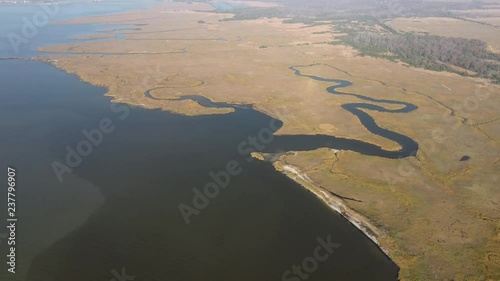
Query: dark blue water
[[119, 208], [257, 228]]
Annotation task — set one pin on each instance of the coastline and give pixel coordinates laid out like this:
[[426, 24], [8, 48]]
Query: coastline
[[335, 203], [402, 240]]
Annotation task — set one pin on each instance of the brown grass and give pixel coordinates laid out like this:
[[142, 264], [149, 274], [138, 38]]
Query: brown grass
[[440, 215]]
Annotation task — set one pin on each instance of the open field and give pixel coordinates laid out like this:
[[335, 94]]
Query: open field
[[491, 20], [437, 216], [450, 27], [492, 12]]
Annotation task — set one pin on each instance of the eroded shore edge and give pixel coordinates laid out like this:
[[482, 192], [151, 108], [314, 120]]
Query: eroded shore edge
[[335, 203]]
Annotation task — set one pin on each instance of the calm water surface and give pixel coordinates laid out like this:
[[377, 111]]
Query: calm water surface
[[119, 208]]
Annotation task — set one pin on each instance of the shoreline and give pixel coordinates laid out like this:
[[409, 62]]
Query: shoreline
[[333, 202], [432, 215], [52, 60]]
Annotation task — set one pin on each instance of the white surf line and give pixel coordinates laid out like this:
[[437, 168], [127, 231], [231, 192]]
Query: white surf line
[[337, 205]]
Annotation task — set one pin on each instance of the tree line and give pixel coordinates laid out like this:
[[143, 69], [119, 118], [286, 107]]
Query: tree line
[[430, 52]]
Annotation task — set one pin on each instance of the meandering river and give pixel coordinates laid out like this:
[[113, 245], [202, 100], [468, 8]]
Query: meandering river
[[119, 207], [285, 143]]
